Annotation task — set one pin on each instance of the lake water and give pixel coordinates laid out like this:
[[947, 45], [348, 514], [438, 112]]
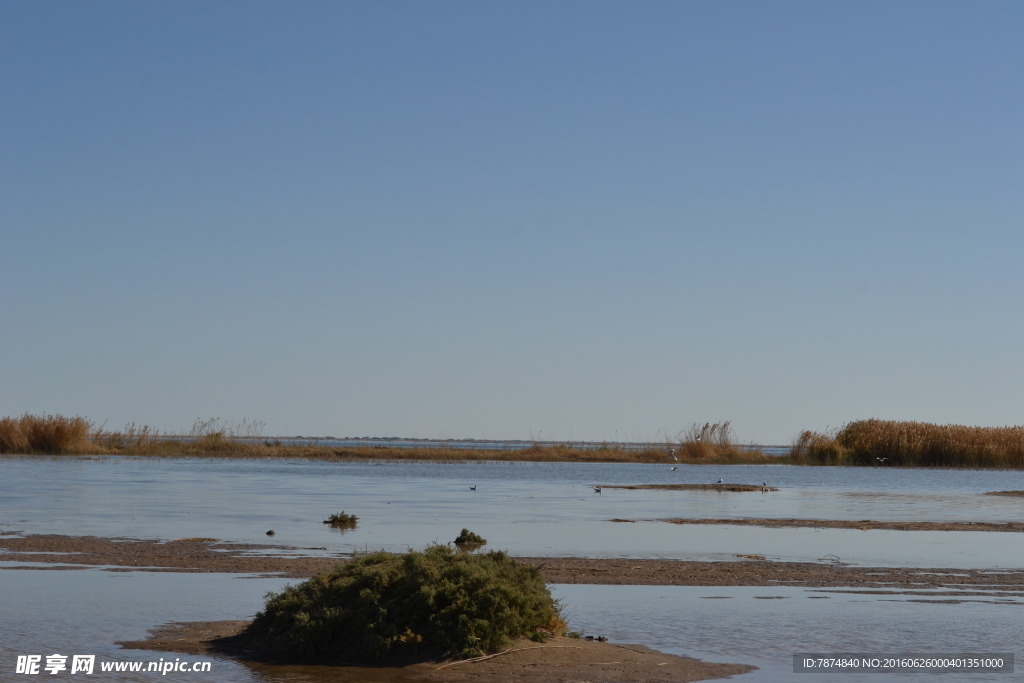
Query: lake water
[[529, 509]]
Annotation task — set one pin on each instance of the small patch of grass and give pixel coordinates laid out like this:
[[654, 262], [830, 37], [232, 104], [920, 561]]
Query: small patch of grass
[[467, 537], [384, 605], [341, 520]]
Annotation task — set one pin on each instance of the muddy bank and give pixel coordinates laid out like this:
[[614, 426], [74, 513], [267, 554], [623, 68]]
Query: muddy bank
[[82, 552], [863, 525], [737, 488], [185, 555], [559, 659], [764, 573], [1005, 493]]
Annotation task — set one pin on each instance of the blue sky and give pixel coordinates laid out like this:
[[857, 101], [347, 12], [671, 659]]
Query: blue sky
[[567, 220]]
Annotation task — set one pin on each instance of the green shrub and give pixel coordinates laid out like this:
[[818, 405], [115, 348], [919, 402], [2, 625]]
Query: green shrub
[[342, 521], [382, 605], [467, 537]]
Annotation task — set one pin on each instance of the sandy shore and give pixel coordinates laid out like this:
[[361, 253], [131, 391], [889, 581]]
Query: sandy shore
[[82, 552], [558, 660], [863, 524]]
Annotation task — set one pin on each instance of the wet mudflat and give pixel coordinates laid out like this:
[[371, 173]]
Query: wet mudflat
[[211, 556], [859, 524]]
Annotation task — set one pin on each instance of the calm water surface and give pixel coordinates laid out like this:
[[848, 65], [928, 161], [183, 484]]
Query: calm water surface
[[542, 509], [528, 508]]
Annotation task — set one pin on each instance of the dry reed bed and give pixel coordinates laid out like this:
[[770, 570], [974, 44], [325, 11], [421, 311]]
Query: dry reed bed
[[912, 444], [59, 435], [864, 443]]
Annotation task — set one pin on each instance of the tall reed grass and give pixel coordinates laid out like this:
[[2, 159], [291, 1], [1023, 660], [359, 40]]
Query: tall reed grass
[[707, 442], [48, 434], [912, 444], [215, 438]]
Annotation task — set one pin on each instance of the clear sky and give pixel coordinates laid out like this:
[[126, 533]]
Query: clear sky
[[501, 220]]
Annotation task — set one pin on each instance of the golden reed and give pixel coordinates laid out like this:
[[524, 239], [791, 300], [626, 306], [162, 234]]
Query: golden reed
[[912, 444], [57, 435]]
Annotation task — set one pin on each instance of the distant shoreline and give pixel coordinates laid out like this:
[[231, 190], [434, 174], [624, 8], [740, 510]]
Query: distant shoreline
[[863, 443], [562, 454], [273, 449]]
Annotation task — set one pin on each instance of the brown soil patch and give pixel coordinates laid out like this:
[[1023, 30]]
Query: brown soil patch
[[736, 488], [1005, 493], [558, 660]]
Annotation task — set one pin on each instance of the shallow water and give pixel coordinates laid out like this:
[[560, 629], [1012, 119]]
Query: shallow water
[[767, 626], [526, 508], [87, 612], [530, 509]]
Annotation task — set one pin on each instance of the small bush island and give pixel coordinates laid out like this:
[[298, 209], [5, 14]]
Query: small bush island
[[383, 605], [467, 537], [341, 520]]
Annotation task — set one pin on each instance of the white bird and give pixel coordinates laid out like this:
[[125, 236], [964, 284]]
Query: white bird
[[473, 487], [674, 469], [764, 483], [720, 481], [598, 489], [672, 454]]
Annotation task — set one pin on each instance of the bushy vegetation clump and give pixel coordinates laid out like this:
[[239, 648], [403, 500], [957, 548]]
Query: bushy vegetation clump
[[49, 434], [467, 537], [384, 605], [340, 520], [912, 444]]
